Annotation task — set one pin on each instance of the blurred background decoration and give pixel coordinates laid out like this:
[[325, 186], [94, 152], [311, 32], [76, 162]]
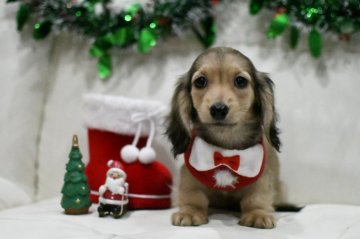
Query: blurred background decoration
[[109, 24]]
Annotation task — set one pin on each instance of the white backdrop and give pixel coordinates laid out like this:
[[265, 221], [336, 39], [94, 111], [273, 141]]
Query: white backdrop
[[317, 100]]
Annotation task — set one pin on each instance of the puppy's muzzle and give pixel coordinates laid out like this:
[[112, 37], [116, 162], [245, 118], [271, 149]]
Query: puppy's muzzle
[[218, 111]]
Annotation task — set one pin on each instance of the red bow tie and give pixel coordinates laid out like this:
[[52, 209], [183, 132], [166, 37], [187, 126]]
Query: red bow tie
[[232, 161]]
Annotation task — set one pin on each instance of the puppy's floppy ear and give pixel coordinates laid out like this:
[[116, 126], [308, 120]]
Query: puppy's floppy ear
[[178, 121], [267, 109]]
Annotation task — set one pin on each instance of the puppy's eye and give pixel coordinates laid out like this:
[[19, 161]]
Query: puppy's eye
[[200, 82], [240, 82]]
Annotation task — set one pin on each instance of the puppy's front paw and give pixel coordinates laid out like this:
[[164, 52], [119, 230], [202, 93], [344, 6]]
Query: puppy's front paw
[[189, 218], [258, 218]]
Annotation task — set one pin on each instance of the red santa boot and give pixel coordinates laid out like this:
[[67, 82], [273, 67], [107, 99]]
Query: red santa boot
[[150, 180], [120, 124]]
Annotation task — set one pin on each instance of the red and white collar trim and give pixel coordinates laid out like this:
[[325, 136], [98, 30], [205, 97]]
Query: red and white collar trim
[[224, 169]]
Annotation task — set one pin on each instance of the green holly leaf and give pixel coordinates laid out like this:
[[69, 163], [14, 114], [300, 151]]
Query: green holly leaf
[[42, 29], [22, 15], [101, 46], [294, 37], [133, 9], [315, 43], [278, 25], [210, 35], [255, 6], [207, 32], [120, 37], [96, 51], [147, 40], [104, 66]]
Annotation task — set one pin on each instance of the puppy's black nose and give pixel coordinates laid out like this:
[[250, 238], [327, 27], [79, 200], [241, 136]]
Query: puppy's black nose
[[219, 111]]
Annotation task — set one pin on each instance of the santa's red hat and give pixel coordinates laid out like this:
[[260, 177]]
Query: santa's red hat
[[115, 167]]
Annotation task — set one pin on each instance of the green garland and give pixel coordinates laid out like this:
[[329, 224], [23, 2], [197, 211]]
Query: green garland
[[318, 16], [110, 26]]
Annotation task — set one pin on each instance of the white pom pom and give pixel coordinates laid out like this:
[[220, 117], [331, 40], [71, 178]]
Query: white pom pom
[[109, 163], [224, 178], [147, 155], [129, 153]]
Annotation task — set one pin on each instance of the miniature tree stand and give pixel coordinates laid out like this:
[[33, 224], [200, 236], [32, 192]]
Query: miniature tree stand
[[75, 191]]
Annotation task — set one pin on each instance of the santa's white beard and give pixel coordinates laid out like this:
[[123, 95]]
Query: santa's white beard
[[114, 184]]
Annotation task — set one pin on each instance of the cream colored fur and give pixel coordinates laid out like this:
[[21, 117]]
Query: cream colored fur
[[251, 117]]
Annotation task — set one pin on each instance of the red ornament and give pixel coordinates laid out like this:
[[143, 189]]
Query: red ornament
[[345, 37], [280, 10], [214, 2], [164, 21]]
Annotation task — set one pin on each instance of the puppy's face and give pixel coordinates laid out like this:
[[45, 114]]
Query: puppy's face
[[222, 90], [225, 101]]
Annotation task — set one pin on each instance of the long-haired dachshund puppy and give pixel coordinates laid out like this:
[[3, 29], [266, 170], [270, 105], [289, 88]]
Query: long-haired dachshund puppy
[[223, 120]]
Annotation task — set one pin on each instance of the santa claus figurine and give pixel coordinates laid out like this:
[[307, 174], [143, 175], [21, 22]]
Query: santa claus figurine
[[113, 195]]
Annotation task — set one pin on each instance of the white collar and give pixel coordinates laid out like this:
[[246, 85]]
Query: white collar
[[202, 157]]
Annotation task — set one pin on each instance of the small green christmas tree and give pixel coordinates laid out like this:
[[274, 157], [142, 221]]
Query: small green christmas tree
[[75, 191]]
